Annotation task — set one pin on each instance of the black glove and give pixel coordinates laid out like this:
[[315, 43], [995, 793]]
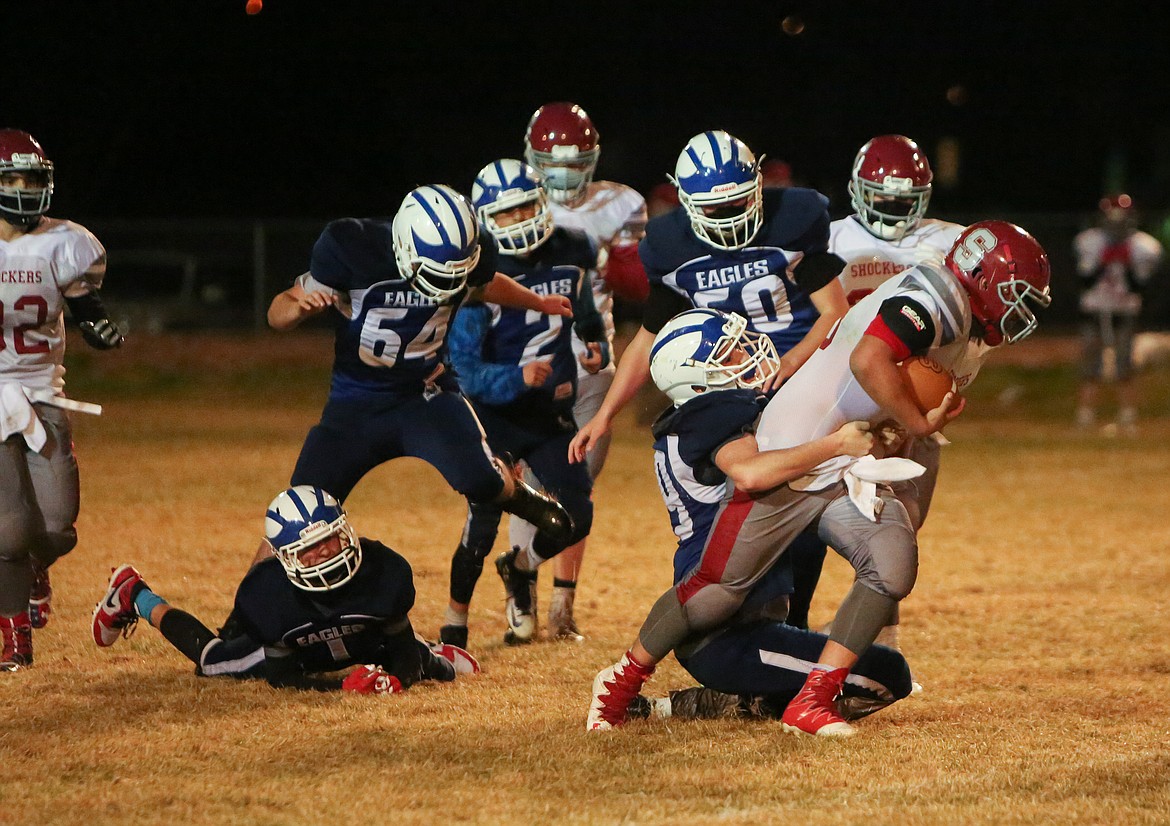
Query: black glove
[[102, 334]]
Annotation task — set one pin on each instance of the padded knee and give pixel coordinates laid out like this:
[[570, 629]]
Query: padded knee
[[466, 567]]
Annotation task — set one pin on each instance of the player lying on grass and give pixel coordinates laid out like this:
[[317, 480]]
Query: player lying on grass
[[326, 602]]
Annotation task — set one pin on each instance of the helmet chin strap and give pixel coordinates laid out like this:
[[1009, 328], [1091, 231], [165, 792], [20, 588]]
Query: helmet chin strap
[[21, 222]]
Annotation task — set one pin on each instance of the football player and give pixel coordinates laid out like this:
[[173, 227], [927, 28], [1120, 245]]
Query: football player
[[887, 234], [563, 143], [1115, 262], [987, 288], [520, 371], [714, 370], [736, 247], [395, 286], [46, 264], [326, 602]]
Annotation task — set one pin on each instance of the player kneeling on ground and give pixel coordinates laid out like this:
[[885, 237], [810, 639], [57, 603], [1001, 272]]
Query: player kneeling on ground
[[327, 601]]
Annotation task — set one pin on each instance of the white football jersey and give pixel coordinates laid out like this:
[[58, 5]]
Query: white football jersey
[[609, 214], [1110, 292], [870, 261], [824, 394], [37, 272]]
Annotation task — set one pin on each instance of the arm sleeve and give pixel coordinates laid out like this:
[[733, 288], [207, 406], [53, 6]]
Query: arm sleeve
[[284, 671], [904, 325], [401, 654], [490, 383], [662, 305], [817, 269], [87, 307]]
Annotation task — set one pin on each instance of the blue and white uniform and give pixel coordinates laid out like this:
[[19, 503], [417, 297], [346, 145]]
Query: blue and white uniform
[[490, 345], [390, 395], [763, 282], [291, 633], [753, 653]]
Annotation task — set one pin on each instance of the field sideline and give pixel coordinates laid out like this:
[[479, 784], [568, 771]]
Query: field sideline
[[1038, 626]]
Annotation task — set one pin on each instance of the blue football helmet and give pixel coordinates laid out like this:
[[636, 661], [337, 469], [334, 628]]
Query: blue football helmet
[[436, 241], [701, 350], [505, 185], [301, 518], [720, 187]]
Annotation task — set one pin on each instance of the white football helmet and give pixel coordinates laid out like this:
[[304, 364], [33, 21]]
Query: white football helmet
[[503, 186], [720, 187], [301, 518], [436, 241], [701, 350]]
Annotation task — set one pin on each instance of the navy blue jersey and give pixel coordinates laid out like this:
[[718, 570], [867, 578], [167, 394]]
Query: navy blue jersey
[[329, 630], [686, 440], [491, 344], [756, 281], [393, 338]]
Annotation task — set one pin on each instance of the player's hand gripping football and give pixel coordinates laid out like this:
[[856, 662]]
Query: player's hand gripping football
[[948, 409], [371, 679]]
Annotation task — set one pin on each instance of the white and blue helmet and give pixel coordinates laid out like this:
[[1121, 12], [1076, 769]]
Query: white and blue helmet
[[701, 350], [302, 517], [502, 186], [720, 187], [436, 241]]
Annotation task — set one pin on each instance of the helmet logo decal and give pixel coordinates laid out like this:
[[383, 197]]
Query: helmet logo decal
[[970, 252]]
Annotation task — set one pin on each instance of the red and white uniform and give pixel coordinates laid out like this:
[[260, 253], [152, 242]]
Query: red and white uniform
[[870, 261], [611, 215], [38, 271], [1119, 267], [824, 394]]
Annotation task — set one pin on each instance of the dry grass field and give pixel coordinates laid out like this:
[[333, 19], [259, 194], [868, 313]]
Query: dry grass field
[[1039, 628]]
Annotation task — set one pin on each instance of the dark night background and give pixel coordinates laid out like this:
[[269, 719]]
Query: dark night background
[[319, 109], [338, 106]]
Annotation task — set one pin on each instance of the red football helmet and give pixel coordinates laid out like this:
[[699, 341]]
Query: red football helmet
[[1002, 267], [562, 142], [891, 186], [22, 157]]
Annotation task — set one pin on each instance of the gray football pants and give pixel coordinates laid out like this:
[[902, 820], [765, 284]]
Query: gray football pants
[[749, 537], [39, 501]]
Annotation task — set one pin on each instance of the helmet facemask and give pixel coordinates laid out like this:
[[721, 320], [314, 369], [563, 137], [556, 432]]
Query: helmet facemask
[[892, 209], [728, 217], [703, 350], [567, 171], [21, 203], [332, 572], [312, 539], [525, 235], [436, 241]]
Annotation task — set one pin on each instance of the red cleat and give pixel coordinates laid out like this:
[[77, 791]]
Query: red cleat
[[814, 709]]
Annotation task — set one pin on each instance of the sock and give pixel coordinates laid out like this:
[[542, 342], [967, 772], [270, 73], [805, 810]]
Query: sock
[[145, 601], [453, 617], [185, 633], [528, 560], [564, 592]]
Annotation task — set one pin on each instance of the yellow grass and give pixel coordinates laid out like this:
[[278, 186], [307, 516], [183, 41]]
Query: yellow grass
[[1038, 627]]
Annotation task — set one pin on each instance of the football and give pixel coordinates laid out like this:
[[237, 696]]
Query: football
[[927, 380]]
